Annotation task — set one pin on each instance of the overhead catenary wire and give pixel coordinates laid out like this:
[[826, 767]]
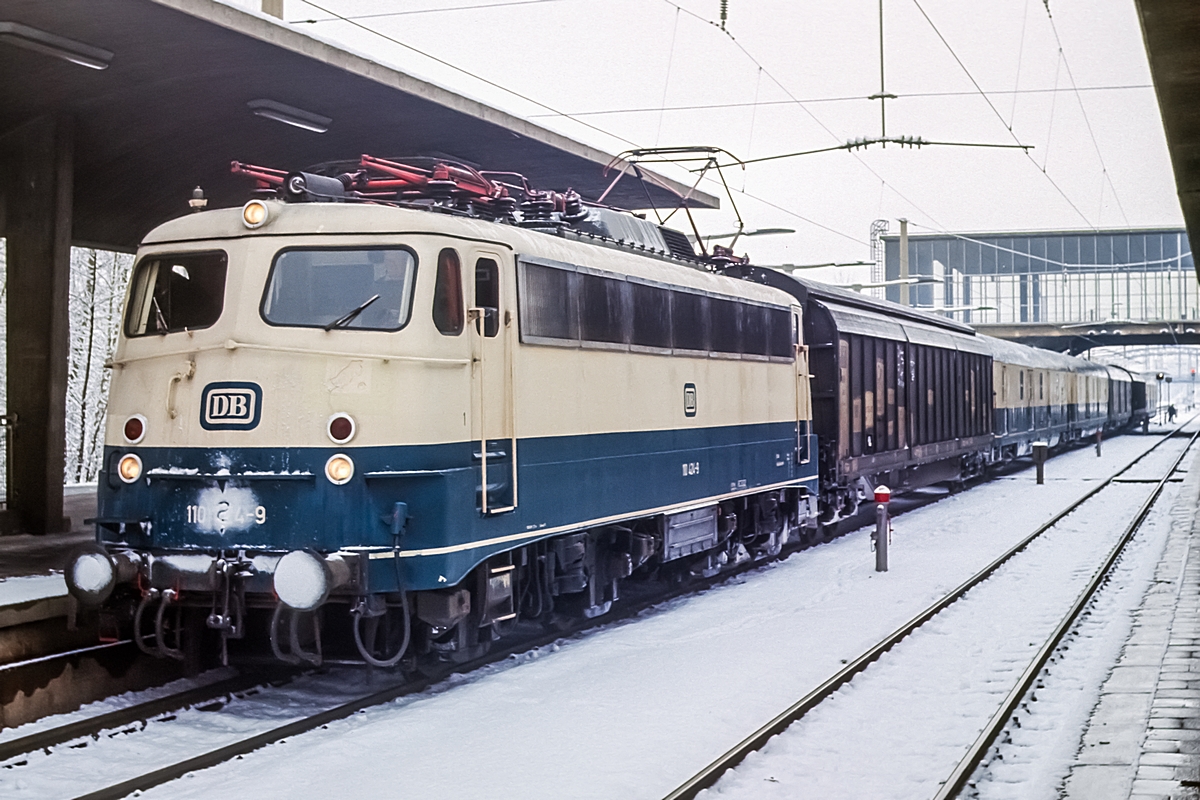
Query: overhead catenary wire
[[1086, 120], [667, 79], [554, 111], [466, 72], [1053, 105], [802, 106], [841, 99], [1020, 57], [999, 116], [410, 12]]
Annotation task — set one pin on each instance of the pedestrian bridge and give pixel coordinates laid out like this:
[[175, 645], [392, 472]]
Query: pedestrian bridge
[[1079, 337]]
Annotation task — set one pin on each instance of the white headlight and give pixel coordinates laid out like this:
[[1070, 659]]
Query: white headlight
[[255, 214], [302, 580], [90, 577], [339, 469]]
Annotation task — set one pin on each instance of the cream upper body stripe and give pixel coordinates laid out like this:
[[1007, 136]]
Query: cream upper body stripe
[[678, 507]]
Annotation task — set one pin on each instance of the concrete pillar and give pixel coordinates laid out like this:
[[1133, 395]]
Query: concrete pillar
[[38, 172]]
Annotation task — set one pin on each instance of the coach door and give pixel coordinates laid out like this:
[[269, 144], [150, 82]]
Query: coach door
[[493, 327], [803, 409]]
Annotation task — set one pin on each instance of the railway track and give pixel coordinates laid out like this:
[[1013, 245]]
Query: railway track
[[135, 716], [954, 784]]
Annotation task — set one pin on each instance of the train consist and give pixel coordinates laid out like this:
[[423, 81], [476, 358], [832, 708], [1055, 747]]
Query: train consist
[[399, 406]]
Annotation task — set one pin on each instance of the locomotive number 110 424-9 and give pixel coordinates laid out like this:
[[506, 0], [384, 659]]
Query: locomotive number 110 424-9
[[223, 514]]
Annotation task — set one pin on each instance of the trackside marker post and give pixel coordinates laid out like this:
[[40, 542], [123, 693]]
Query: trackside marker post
[[1039, 458], [879, 539]]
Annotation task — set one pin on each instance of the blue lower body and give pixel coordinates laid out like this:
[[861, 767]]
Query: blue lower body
[[278, 499]]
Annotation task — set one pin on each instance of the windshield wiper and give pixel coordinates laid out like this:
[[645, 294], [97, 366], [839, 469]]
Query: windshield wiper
[[346, 319], [160, 322]]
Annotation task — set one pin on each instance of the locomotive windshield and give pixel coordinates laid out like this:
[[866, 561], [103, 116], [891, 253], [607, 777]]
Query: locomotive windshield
[[176, 292], [363, 289]]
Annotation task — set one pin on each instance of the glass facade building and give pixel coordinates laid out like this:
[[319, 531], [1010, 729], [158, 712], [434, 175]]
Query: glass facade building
[[1051, 276]]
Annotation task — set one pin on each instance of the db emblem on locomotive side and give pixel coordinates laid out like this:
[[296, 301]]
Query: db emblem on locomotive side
[[230, 406]]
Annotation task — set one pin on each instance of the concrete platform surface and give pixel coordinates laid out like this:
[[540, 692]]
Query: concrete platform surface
[[1143, 738], [22, 554]]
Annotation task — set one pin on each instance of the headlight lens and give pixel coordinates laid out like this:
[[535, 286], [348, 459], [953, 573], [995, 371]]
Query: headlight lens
[[254, 214], [339, 469], [301, 580], [129, 467]]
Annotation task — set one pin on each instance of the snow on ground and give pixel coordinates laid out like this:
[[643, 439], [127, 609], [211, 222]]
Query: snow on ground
[[87, 765], [115, 703], [630, 710], [1036, 755], [27, 588], [899, 729], [633, 709]]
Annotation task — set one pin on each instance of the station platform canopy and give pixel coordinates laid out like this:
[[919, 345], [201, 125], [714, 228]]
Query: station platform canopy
[[163, 94], [1171, 29]]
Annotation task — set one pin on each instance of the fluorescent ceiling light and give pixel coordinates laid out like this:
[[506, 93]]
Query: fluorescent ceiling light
[[290, 115], [85, 55]]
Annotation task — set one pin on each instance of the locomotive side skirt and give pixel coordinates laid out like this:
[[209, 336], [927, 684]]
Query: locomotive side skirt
[[275, 499]]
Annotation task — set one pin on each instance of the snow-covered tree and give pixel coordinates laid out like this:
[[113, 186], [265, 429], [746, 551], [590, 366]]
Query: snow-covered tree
[[98, 281]]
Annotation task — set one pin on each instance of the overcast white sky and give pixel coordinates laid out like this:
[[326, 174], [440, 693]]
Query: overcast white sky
[[794, 76]]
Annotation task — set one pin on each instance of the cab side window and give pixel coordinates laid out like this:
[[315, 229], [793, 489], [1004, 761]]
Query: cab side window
[[487, 294], [448, 294]]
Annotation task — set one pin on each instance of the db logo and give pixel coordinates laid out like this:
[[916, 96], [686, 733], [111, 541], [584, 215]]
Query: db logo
[[230, 406]]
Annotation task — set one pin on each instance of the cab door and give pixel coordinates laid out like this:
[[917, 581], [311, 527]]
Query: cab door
[[492, 326]]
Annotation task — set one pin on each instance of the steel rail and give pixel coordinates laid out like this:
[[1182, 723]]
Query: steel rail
[[400, 689], [79, 651], [708, 776], [141, 712], [979, 748], [397, 690]]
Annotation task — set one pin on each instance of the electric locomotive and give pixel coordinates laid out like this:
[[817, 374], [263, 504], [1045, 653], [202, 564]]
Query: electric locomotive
[[405, 403]]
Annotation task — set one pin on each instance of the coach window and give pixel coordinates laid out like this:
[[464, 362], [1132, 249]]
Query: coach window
[[447, 294], [1041, 395], [487, 294], [1021, 385], [176, 292]]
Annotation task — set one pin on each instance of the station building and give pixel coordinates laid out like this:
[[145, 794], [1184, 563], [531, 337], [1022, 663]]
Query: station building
[[1056, 277]]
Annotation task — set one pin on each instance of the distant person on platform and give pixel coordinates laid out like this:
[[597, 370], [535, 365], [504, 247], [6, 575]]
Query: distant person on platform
[[1171, 412]]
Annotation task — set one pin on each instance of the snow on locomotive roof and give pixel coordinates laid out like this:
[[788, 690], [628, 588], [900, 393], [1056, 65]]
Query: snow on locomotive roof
[[1021, 355]]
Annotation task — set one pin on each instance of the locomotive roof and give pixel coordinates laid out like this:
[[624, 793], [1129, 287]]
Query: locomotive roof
[[290, 222]]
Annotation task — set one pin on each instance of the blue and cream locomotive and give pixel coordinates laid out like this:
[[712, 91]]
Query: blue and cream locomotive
[[403, 405], [436, 421]]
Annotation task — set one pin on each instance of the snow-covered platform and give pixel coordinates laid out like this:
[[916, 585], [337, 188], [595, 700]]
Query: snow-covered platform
[[31, 566], [1143, 737]]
